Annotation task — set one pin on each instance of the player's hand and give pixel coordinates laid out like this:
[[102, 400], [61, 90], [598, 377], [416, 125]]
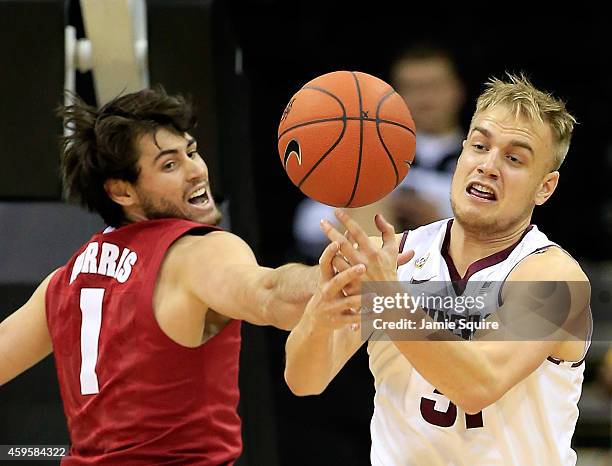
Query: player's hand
[[340, 264], [329, 308], [381, 262]]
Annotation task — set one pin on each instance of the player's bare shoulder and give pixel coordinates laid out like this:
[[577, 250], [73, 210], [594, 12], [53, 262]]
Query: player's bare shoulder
[[554, 265], [549, 264], [563, 292], [209, 251], [182, 295], [195, 261]]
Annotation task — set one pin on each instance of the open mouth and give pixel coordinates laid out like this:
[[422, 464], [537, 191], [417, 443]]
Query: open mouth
[[482, 192], [199, 197]]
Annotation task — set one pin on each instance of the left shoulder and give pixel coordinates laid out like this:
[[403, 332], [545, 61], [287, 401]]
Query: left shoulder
[[552, 264]]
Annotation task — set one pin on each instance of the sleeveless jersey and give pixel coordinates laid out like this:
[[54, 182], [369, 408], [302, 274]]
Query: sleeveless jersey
[[131, 395], [413, 424]]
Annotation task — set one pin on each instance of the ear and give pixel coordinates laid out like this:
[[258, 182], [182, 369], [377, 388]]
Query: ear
[[548, 186], [121, 192]]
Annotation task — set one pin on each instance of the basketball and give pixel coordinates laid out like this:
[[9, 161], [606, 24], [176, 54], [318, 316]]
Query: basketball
[[346, 139]]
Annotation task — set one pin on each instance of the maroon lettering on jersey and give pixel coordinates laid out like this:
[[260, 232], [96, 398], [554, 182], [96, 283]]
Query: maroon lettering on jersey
[[131, 394]]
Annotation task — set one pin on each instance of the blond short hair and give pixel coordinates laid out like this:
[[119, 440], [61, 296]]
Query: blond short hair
[[525, 101]]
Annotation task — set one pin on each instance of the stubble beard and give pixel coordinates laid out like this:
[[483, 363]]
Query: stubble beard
[[489, 225], [166, 209], [162, 209]]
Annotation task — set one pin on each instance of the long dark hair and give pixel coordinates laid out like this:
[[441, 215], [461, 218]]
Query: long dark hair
[[101, 144]]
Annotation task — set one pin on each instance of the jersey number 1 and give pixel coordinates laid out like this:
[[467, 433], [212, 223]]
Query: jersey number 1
[[447, 418], [91, 322]]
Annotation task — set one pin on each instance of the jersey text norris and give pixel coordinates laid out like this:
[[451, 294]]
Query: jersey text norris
[[105, 261]]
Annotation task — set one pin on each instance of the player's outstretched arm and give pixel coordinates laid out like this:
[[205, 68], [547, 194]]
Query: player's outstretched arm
[[322, 342], [24, 336], [221, 270]]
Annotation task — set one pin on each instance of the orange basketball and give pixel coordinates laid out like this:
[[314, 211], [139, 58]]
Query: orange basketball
[[346, 139]]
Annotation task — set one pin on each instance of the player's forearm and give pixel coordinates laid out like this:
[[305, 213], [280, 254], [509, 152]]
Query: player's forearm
[[309, 362], [456, 368], [459, 369], [287, 290], [17, 355]]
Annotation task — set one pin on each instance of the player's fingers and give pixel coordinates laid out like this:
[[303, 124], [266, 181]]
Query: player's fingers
[[405, 257], [339, 263], [347, 305], [387, 231], [353, 288], [350, 239], [348, 251], [325, 261], [333, 287], [355, 231]]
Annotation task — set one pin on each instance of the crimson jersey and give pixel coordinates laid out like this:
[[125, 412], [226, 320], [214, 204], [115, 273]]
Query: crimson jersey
[[133, 396]]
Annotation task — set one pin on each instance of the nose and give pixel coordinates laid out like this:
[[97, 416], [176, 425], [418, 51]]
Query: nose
[[196, 168], [488, 165]]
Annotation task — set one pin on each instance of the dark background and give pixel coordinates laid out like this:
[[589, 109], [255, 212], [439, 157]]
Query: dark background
[[284, 47], [192, 49]]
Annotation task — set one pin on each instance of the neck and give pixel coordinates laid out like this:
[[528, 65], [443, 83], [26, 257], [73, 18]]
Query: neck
[[466, 247], [133, 217]]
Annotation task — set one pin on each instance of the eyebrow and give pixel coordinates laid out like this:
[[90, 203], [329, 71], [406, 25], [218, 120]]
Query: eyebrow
[[514, 142], [190, 142]]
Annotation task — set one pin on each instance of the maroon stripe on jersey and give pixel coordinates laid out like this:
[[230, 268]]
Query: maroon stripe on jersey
[[559, 361], [459, 282], [576, 364], [500, 301], [403, 241]]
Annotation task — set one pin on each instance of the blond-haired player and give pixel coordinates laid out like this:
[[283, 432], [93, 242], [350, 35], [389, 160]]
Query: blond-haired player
[[480, 402]]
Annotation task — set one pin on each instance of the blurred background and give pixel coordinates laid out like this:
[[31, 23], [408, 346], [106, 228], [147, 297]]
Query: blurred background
[[241, 61]]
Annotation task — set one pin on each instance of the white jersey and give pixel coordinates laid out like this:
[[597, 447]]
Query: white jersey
[[532, 424]]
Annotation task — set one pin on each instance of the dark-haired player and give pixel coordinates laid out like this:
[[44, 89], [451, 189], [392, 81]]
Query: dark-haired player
[[144, 319]]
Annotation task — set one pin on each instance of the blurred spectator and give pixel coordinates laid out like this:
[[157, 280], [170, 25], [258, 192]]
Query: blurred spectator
[[426, 77]]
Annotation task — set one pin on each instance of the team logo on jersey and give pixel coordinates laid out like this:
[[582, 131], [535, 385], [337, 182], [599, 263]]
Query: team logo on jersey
[[421, 261], [293, 148]]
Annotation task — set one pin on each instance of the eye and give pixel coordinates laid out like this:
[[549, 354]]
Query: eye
[[168, 166], [193, 154], [478, 146], [513, 159]]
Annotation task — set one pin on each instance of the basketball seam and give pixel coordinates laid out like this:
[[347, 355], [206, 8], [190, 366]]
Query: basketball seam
[[395, 123], [343, 119], [382, 141], [311, 122], [321, 120], [360, 140]]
